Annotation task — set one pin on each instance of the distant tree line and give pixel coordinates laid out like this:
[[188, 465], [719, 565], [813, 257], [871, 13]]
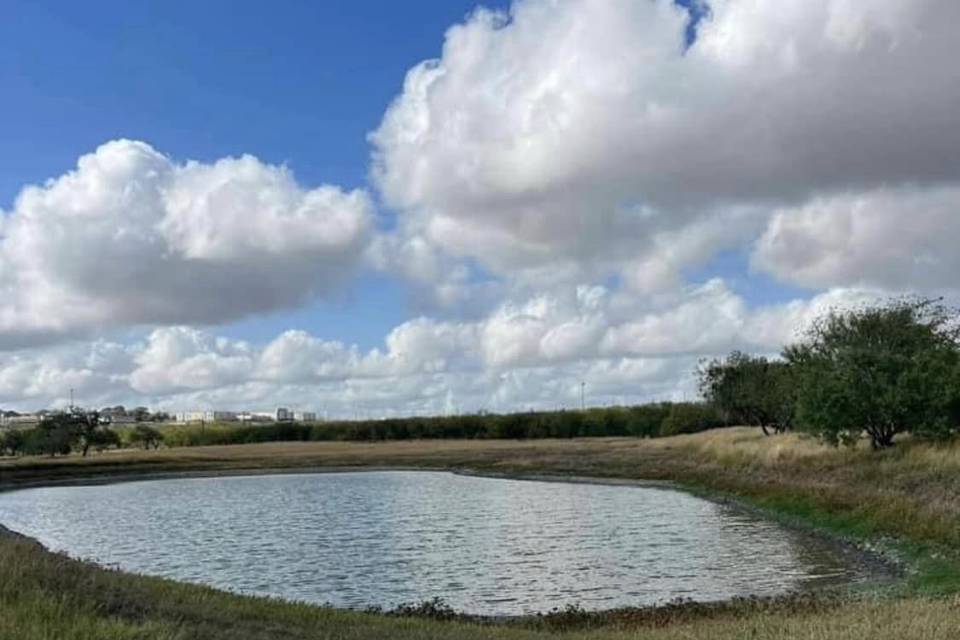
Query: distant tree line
[[62, 433], [644, 421], [877, 371]]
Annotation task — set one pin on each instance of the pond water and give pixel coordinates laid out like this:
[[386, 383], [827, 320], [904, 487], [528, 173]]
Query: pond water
[[486, 546]]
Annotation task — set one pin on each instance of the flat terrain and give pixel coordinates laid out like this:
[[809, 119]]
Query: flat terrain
[[906, 500]]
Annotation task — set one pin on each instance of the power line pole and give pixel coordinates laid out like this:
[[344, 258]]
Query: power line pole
[[583, 386]]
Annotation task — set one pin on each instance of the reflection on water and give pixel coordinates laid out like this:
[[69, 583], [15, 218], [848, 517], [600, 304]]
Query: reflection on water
[[486, 546]]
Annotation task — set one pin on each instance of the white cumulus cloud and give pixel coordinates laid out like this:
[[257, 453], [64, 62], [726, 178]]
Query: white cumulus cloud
[[567, 140], [131, 237]]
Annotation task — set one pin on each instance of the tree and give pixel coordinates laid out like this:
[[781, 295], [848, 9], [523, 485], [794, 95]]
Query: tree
[[102, 439], [64, 431], [141, 414], [11, 442], [750, 390], [885, 370], [146, 437], [87, 429], [55, 434]]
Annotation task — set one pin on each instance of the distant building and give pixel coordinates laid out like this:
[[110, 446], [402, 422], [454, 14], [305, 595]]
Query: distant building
[[282, 414], [286, 415], [255, 416], [188, 417]]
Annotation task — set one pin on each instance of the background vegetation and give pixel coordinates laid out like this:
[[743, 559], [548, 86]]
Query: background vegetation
[[645, 421]]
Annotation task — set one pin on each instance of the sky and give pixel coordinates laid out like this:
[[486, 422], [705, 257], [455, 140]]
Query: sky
[[375, 209]]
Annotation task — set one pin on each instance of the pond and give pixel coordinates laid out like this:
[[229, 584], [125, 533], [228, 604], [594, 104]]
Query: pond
[[486, 546]]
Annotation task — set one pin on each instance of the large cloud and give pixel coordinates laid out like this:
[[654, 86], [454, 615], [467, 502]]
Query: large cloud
[[568, 139], [131, 237]]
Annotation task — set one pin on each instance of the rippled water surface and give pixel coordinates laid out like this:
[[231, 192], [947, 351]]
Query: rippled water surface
[[486, 546]]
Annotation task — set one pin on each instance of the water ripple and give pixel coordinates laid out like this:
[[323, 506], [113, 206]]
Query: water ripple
[[487, 546]]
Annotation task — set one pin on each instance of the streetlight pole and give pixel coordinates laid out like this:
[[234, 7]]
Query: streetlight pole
[[583, 386]]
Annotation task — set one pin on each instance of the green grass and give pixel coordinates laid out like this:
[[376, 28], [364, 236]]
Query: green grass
[[905, 502]]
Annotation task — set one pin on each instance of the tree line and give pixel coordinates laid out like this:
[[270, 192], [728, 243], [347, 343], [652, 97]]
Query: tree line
[[79, 431], [645, 421]]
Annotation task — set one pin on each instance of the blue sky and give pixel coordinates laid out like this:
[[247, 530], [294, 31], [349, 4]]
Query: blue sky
[[603, 190], [295, 83]]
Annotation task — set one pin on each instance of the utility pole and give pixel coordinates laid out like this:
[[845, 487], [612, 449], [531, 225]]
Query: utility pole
[[583, 386], [71, 399]]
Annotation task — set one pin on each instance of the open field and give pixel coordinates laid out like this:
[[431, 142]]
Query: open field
[[908, 496]]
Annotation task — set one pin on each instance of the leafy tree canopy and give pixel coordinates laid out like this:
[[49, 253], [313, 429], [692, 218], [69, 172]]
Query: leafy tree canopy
[[885, 370], [749, 390]]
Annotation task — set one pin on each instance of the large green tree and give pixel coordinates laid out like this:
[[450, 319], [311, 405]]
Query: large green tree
[[750, 390], [882, 370]]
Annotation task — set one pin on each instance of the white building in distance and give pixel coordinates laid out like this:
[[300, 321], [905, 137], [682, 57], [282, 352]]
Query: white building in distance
[[286, 415], [282, 414], [188, 417]]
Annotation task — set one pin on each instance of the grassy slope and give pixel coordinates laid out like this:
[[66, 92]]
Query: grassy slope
[[911, 493]]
